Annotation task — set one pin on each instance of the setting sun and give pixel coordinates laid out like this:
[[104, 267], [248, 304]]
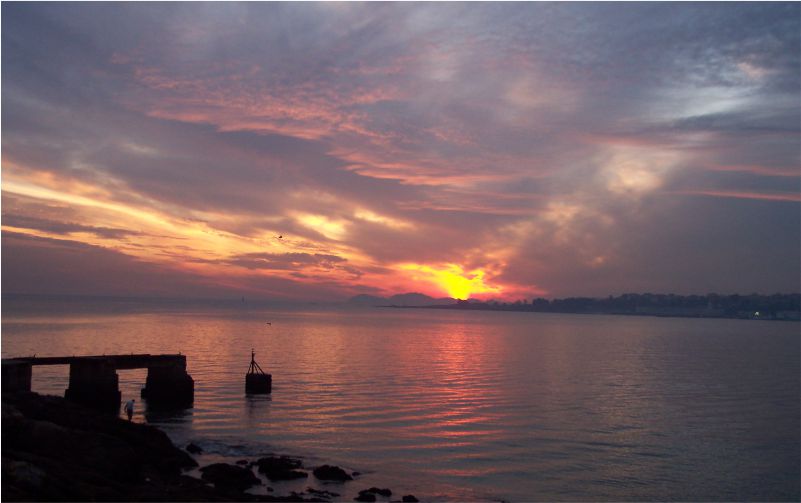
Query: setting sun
[[453, 279]]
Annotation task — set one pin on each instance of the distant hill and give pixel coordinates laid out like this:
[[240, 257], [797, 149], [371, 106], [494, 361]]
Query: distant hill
[[403, 299]]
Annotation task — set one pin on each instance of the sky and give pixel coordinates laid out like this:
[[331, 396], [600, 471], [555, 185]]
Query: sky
[[315, 151]]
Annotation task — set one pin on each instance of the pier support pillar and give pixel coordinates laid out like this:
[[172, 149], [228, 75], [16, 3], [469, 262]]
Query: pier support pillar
[[16, 377], [95, 383], [169, 386]]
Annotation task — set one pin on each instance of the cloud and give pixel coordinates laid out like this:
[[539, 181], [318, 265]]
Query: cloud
[[538, 143], [28, 222], [42, 265], [290, 261]]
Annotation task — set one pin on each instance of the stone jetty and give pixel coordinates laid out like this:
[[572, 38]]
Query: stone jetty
[[94, 381]]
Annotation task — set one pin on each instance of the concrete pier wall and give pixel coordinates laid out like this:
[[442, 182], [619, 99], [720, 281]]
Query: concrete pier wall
[[94, 380], [169, 386], [16, 376]]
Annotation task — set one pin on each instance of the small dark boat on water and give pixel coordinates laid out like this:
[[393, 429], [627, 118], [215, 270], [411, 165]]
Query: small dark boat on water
[[257, 382]]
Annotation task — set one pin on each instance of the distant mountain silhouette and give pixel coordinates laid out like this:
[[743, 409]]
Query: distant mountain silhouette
[[403, 299]]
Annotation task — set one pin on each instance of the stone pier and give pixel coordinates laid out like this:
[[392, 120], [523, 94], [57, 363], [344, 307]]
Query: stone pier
[[16, 376], [94, 380], [169, 385]]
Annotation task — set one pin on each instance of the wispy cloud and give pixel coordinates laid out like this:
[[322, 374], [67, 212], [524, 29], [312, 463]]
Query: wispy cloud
[[319, 150]]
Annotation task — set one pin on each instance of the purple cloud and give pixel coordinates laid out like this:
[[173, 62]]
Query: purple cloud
[[560, 148]]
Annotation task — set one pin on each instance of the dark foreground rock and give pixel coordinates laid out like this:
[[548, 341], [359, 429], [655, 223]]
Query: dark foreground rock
[[369, 494], [301, 496], [54, 450], [364, 496], [328, 472], [321, 493], [409, 498], [281, 468], [380, 492], [193, 449], [227, 476]]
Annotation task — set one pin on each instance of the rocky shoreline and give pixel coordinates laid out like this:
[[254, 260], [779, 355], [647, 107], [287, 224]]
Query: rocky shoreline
[[54, 450]]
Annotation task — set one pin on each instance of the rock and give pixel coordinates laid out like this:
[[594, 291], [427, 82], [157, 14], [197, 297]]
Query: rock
[[226, 476], [242, 462], [293, 496], [409, 498], [279, 463], [356, 474], [323, 494], [24, 474], [380, 492], [193, 449], [287, 475], [281, 468], [328, 472], [55, 450], [11, 413], [52, 427], [369, 494]]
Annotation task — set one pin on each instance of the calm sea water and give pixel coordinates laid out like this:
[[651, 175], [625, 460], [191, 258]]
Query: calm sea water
[[452, 405]]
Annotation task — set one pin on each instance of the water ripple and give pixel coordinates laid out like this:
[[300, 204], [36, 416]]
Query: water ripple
[[474, 406]]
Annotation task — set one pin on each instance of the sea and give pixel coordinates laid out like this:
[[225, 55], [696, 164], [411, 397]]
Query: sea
[[452, 405]]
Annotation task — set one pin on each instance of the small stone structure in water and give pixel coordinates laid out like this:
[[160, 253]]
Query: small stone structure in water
[[256, 381]]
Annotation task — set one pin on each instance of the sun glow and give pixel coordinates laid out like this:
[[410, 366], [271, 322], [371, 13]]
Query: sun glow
[[453, 279], [332, 229], [393, 223]]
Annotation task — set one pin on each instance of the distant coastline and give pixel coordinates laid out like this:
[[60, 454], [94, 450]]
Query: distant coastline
[[781, 307]]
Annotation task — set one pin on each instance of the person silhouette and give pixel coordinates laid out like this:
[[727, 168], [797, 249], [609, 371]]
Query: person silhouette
[[129, 406]]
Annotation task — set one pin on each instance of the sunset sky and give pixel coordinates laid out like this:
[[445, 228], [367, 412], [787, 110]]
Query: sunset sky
[[490, 150]]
